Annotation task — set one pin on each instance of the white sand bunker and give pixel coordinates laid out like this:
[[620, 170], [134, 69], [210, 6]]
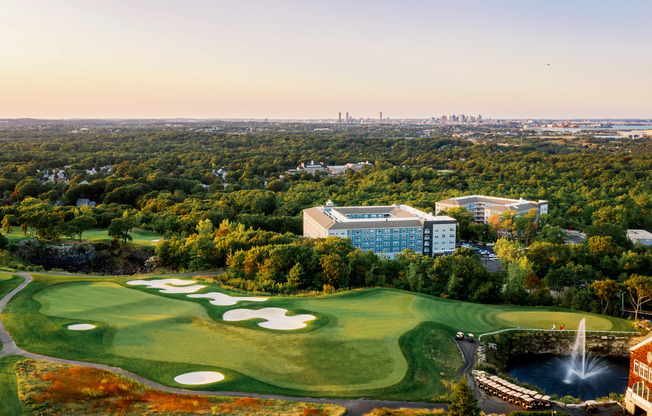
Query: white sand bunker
[[220, 299], [81, 327], [199, 377], [169, 285], [276, 318]]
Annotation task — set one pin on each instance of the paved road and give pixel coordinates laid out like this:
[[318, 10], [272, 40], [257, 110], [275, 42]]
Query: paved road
[[355, 407]]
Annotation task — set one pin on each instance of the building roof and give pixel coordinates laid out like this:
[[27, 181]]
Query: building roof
[[398, 216], [321, 218], [392, 210], [644, 342], [472, 199], [639, 234]]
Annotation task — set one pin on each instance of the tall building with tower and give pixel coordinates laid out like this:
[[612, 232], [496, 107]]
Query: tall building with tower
[[380, 116], [339, 118]]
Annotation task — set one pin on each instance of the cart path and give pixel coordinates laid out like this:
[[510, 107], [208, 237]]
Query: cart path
[[355, 407]]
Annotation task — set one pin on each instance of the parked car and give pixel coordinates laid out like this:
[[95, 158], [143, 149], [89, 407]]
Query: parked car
[[459, 336], [470, 337]]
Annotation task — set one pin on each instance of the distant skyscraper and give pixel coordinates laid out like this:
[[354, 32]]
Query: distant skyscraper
[[380, 116], [347, 117], [339, 118], [444, 119]]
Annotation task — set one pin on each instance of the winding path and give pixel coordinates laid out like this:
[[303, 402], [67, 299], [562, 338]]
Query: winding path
[[355, 407]]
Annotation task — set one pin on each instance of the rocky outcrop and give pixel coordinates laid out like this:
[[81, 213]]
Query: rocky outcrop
[[86, 257], [59, 256], [560, 343]]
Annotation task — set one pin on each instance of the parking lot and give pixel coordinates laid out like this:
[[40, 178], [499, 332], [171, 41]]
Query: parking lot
[[486, 251]]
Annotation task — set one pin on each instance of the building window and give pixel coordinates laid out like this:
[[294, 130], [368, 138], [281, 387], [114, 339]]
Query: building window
[[427, 231], [640, 389], [643, 372], [636, 367]]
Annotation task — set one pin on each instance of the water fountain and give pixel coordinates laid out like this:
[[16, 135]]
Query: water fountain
[[579, 365], [579, 375]]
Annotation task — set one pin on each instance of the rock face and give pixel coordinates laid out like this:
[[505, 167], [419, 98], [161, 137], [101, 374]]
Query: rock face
[[72, 257], [559, 343], [87, 258]]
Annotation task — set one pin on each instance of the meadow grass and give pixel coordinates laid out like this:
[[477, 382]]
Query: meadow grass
[[62, 389], [365, 343], [9, 402]]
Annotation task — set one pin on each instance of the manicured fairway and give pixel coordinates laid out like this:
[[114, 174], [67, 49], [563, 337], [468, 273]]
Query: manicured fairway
[[362, 342], [140, 237]]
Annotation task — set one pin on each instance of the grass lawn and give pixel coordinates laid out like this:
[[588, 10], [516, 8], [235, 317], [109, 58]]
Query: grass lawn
[[140, 237], [8, 282], [9, 402], [367, 343]]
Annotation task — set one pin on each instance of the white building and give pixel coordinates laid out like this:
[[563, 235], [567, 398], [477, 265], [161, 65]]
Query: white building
[[387, 230], [483, 207]]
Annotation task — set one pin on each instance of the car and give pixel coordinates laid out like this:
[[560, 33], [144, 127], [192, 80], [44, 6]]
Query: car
[[459, 336], [493, 256], [470, 337], [490, 245]]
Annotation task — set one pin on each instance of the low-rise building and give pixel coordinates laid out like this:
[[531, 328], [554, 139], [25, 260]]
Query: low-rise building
[[637, 397], [483, 207], [386, 230], [640, 236]]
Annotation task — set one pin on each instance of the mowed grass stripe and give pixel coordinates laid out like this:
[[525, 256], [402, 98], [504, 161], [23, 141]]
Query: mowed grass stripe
[[9, 402]]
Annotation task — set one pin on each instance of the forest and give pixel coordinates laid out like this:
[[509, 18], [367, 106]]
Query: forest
[[222, 198]]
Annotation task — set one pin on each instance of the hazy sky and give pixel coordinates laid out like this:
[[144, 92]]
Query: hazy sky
[[312, 59]]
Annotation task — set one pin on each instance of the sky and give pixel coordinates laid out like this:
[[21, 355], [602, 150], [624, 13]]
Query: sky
[[312, 58]]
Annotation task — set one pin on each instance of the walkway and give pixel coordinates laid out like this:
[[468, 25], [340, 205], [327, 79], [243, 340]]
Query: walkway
[[355, 407]]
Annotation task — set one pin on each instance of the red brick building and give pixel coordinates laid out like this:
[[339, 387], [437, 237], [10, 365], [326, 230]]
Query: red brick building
[[638, 398]]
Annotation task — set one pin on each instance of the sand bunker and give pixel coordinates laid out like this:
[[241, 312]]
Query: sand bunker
[[220, 299], [199, 377], [169, 285], [81, 327], [275, 318], [155, 241]]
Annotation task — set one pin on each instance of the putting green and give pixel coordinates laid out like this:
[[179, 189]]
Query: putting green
[[355, 347]]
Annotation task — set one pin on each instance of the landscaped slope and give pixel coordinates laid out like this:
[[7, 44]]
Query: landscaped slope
[[376, 342]]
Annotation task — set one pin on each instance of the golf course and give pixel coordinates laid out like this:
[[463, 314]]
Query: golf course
[[381, 343]]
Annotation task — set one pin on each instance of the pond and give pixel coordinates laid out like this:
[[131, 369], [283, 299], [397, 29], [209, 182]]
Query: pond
[[550, 372]]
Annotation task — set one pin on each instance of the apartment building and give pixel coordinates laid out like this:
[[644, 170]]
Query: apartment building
[[386, 230], [483, 207]]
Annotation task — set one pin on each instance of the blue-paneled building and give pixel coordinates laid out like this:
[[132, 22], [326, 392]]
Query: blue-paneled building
[[386, 230]]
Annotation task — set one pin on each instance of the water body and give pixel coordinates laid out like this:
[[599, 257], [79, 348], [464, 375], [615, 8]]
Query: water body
[[550, 372], [613, 127]]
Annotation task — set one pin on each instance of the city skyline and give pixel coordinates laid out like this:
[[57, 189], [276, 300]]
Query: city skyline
[[309, 60]]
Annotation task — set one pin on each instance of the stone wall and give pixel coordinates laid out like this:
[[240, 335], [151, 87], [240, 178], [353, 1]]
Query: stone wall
[[560, 343]]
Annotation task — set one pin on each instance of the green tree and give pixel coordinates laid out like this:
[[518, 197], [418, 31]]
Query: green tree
[[639, 291], [4, 243], [463, 402], [81, 223], [8, 223], [605, 290], [120, 228]]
